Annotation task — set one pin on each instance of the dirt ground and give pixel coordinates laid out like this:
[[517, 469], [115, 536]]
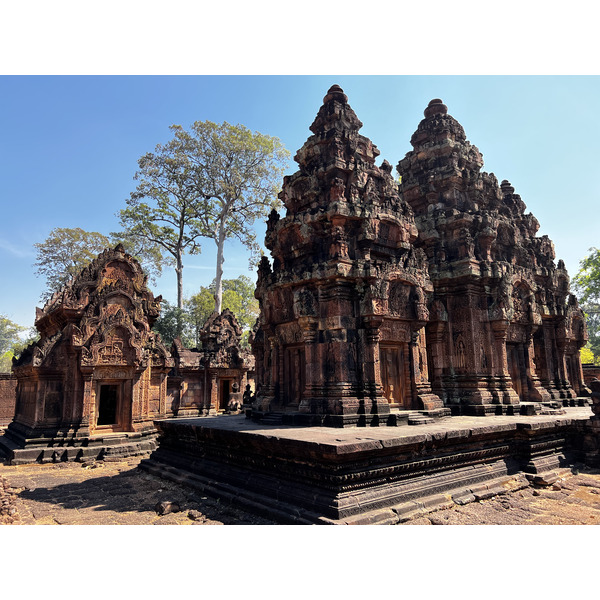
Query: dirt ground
[[118, 493], [106, 493]]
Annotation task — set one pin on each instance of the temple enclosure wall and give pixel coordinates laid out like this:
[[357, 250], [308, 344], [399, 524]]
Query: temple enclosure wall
[[8, 387]]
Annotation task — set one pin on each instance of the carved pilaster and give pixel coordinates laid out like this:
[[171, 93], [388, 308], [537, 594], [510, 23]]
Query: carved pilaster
[[500, 330]]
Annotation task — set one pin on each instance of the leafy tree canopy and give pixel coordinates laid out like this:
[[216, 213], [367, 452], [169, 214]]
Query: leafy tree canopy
[[172, 323], [163, 212], [11, 343], [237, 173], [9, 334], [586, 284], [238, 297], [64, 253]]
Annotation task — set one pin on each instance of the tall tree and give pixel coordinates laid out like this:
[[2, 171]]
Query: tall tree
[[64, 253], [237, 173], [163, 211], [586, 284]]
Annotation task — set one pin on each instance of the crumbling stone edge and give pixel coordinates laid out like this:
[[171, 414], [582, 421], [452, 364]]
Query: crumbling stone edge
[[8, 509], [286, 514]]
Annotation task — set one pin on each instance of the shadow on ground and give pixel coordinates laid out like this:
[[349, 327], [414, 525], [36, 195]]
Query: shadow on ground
[[71, 493]]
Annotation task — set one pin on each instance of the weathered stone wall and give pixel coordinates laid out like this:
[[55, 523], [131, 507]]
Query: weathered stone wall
[[8, 386], [590, 372], [97, 368]]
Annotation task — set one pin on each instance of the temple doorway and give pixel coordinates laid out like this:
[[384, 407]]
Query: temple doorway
[[224, 393], [393, 376], [108, 405], [294, 375], [516, 368]]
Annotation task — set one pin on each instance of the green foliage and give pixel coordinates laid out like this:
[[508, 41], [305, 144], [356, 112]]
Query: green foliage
[[587, 356], [9, 334], [163, 212], [64, 253], [238, 297], [10, 342], [586, 284], [237, 173], [172, 323], [6, 361]]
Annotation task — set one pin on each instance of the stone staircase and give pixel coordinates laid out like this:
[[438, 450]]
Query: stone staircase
[[273, 419]]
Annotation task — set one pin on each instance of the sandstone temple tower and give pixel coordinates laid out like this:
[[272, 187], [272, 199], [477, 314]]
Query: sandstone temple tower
[[432, 295], [341, 335], [503, 328], [98, 376]]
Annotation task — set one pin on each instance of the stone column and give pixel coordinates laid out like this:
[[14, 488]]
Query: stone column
[[162, 399], [537, 393], [313, 371], [551, 362], [500, 330], [89, 410], [435, 341], [372, 368], [418, 358], [214, 394], [567, 391]]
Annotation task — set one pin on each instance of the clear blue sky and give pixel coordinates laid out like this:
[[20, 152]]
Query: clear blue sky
[[70, 144]]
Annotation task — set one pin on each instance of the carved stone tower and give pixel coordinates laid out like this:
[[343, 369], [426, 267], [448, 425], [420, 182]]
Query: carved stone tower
[[503, 328], [343, 308]]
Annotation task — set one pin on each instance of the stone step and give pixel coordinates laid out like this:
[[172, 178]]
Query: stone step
[[419, 419], [272, 419]]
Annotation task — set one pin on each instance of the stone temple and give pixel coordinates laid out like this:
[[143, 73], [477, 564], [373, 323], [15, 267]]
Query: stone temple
[[434, 295], [416, 345], [98, 376]]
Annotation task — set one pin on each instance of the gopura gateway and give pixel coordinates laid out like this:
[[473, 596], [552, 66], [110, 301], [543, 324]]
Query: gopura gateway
[[430, 295], [99, 377]]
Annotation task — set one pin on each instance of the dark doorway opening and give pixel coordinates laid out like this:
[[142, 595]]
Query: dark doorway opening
[[225, 392], [107, 406]]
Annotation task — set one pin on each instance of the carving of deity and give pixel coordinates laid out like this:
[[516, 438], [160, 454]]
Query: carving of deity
[[339, 247], [461, 360], [337, 190]]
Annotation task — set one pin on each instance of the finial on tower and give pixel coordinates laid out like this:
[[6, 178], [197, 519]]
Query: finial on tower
[[436, 107]]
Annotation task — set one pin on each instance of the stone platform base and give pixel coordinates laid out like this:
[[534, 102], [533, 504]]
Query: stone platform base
[[394, 418], [523, 408], [360, 476], [114, 446]]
